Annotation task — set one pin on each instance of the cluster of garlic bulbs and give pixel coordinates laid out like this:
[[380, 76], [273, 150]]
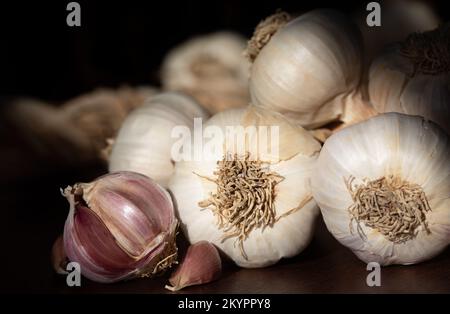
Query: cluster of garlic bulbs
[[307, 68], [254, 204], [413, 77], [252, 183], [145, 139], [211, 68], [383, 188]]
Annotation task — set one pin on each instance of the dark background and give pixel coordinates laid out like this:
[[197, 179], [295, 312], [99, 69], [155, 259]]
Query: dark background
[[124, 42], [119, 41]]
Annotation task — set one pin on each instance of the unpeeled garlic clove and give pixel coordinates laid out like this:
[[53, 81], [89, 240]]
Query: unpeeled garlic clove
[[59, 257], [120, 226], [201, 265]]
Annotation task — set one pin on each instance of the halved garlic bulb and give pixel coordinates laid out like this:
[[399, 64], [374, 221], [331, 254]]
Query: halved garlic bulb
[[120, 226], [254, 204], [145, 140], [383, 187], [211, 68], [413, 77], [308, 68]]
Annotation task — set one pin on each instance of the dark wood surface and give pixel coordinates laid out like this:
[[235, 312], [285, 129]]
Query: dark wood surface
[[33, 215]]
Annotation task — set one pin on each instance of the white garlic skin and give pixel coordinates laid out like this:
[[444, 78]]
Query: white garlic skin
[[291, 234], [211, 68], [392, 89], [410, 147], [308, 67], [144, 141]]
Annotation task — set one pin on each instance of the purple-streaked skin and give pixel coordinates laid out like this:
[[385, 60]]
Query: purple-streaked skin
[[117, 225]]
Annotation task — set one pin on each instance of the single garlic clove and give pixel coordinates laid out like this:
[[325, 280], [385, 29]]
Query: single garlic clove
[[120, 226], [201, 265], [59, 257]]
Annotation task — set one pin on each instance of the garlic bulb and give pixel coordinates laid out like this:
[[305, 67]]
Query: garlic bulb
[[383, 187], [211, 68], [120, 226], [308, 68], [58, 256], [249, 192], [75, 132], [413, 77], [145, 140]]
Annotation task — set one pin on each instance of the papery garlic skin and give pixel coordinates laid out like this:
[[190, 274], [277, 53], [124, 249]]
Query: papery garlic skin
[[394, 88], [296, 162], [211, 68], [407, 147], [145, 139], [120, 226], [81, 125], [308, 68]]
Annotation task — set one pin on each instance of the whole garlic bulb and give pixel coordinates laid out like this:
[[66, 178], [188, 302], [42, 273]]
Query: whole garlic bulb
[[307, 68], [120, 226], [383, 187], [211, 68], [145, 140], [413, 77], [253, 204]]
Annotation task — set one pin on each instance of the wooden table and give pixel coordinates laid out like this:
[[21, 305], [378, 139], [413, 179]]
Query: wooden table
[[33, 215]]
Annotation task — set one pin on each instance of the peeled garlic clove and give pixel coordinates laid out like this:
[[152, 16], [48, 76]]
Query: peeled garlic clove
[[308, 68], [211, 69], [59, 257], [145, 139], [202, 264], [281, 222], [383, 187], [413, 77], [120, 226]]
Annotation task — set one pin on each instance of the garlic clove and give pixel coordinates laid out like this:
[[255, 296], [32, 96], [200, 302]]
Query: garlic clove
[[294, 209], [307, 67], [121, 225], [98, 247], [202, 264], [59, 257]]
